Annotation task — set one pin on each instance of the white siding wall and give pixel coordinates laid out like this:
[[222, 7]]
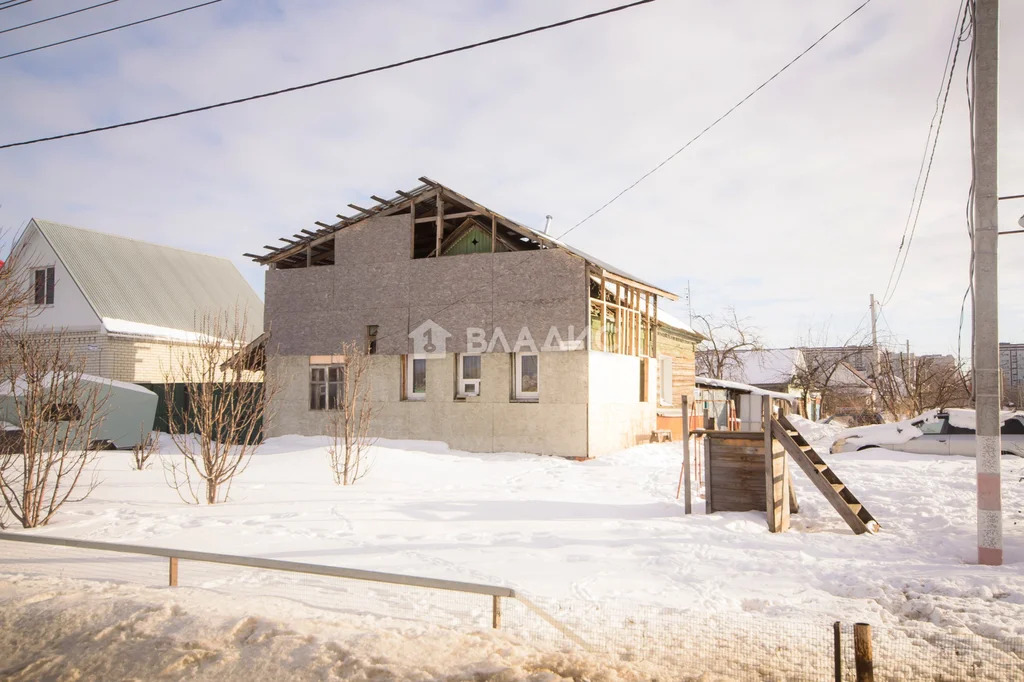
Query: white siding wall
[[70, 308]]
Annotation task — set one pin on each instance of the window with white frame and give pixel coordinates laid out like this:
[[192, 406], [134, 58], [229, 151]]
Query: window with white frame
[[326, 386], [665, 380], [415, 377], [43, 285], [527, 371], [468, 366]]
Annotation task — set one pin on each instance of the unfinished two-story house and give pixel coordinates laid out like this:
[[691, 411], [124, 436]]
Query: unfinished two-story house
[[486, 334]]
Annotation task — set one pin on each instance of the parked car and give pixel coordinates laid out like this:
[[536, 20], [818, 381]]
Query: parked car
[[936, 432]]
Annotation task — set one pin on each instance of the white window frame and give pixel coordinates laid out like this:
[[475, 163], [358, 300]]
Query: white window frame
[[520, 393], [665, 396], [410, 362], [49, 285], [461, 376]]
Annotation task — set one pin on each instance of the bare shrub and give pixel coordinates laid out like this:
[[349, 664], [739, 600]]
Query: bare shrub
[[144, 449], [220, 420], [350, 417], [57, 409]]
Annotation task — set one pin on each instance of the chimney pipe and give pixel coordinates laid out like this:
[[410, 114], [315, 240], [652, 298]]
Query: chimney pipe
[[547, 223]]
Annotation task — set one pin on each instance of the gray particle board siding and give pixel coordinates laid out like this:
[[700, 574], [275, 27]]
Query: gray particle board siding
[[375, 281], [132, 280]]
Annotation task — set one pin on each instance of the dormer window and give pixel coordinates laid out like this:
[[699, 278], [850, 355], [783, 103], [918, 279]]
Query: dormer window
[[44, 280]]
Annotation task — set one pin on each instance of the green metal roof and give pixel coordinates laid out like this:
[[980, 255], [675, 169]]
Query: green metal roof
[[136, 281]]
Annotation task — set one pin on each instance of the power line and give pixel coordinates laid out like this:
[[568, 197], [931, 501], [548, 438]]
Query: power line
[[335, 79], [717, 120], [58, 16], [969, 291], [12, 3], [108, 30], [931, 144]]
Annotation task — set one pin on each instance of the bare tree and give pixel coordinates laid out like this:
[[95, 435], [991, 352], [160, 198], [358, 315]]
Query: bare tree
[[908, 385], [57, 409], [828, 372], [220, 420], [16, 290], [351, 417], [725, 337]]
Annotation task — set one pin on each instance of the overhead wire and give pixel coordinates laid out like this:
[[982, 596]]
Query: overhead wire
[[928, 157], [718, 120], [335, 79], [969, 291], [109, 30], [13, 3], [58, 16]]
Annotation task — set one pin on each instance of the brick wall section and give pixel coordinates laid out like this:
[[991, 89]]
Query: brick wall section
[[683, 350], [126, 359]]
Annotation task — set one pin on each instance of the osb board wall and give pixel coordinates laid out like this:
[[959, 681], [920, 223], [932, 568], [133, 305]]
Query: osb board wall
[[375, 281], [734, 470]]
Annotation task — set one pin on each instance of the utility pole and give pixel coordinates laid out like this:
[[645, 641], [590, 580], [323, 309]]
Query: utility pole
[[875, 359], [985, 356]]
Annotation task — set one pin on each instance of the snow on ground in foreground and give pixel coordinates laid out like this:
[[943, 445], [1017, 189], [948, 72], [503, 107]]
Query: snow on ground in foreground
[[602, 544], [53, 628]]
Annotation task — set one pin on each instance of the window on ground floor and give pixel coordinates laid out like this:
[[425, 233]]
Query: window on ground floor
[[415, 377], [326, 386], [527, 368], [468, 366]]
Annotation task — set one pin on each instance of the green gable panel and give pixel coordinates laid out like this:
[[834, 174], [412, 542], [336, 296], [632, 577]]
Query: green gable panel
[[476, 240]]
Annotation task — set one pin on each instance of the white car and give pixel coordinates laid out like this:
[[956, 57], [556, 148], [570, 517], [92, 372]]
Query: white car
[[936, 432]]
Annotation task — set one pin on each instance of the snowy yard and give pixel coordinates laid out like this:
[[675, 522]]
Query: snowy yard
[[591, 541]]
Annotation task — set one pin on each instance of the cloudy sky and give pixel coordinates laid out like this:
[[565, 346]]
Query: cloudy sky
[[790, 211]]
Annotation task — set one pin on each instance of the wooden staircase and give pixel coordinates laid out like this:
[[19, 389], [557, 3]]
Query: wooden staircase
[[822, 476]]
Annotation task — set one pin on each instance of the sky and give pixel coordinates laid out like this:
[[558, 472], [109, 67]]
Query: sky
[[790, 211]]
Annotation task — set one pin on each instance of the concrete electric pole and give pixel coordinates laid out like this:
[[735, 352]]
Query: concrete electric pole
[[875, 357], [985, 356]]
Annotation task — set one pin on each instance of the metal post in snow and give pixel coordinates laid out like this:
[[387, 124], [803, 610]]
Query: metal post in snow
[[686, 456], [986, 312]]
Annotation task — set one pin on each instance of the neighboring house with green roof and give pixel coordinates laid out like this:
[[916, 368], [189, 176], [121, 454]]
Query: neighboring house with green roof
[[126, 305]]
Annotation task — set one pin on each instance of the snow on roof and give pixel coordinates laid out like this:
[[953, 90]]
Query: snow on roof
[[116, 326], [743, 388], [769, 366], [669, 320]]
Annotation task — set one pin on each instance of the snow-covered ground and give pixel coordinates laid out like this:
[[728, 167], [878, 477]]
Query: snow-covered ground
[[602, 544]]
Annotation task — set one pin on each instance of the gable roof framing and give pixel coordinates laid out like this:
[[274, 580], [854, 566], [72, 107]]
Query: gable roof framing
[[306, 245]]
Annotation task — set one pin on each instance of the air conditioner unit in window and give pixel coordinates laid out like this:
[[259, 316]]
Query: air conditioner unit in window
[[470, 387]]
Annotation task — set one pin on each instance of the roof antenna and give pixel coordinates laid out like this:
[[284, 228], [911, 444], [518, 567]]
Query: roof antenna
[[547, 223]]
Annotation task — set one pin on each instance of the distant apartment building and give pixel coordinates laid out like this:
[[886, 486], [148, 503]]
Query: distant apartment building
[[1011, 362]]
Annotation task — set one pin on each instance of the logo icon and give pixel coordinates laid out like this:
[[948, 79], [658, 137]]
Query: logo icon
[[429, 339]]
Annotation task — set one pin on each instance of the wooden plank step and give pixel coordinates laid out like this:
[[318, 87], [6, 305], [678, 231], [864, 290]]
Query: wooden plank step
[[855, 508], [821, 467], [808, 462]]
